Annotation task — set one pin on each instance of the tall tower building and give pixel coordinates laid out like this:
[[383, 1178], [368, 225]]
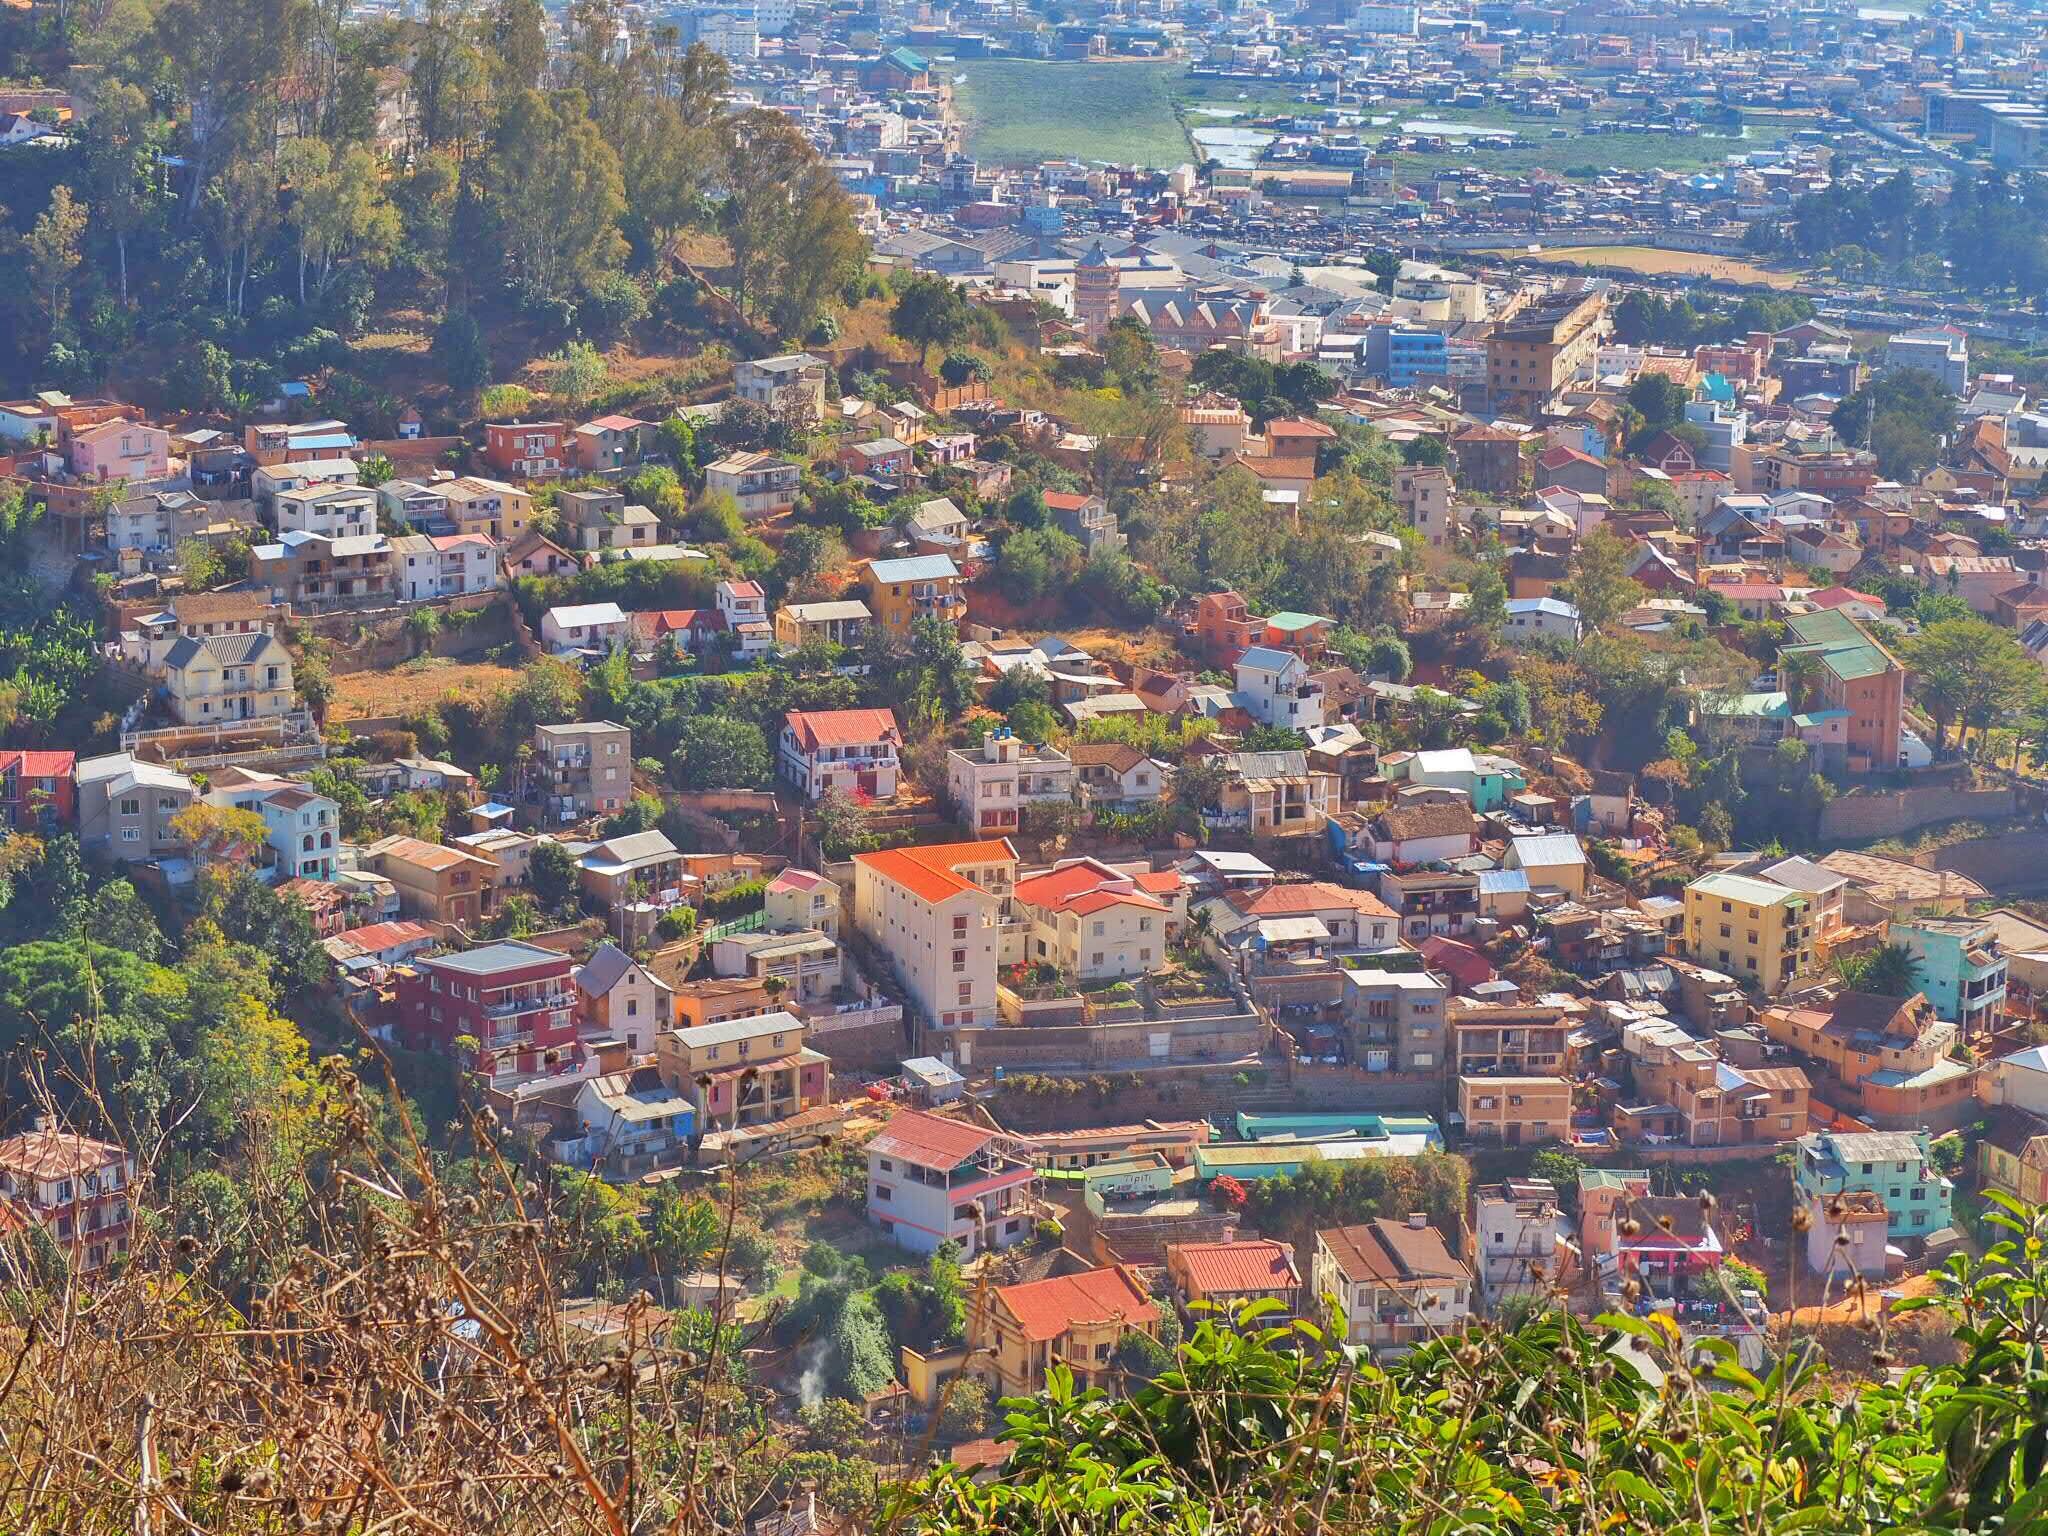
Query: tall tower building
[[1098, 292]]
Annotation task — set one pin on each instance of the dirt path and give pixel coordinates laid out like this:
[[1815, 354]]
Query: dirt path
[[1845, 1310]]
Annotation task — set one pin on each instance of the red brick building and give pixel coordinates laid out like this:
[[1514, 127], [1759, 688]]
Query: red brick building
[[516, 1000]]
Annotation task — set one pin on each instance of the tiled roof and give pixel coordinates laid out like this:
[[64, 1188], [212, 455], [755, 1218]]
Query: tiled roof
[[931, 873], [1405, 821], [815, 728], [1045, 1309], [1117, 756], [930, 1141], [1393, 1253], [55, 1154], [1298, 898], [1256, 1264]]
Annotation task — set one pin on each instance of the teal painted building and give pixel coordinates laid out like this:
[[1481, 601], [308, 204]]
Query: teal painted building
[[1894, 1166], [1960, 965]]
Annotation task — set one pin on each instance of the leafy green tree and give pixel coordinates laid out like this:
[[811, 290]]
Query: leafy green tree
[[124, 183], [557, 193], [53, 249], [1035, 562], [1600, 587], [1971, 673], [929, 312], [720, 752], [964, 1413], [576, 373], [863, 1359], [465, 360], [339, 211], [1488, 609], [787, 221], [552, 871], [683, 1231], [225, 56], [1888, 970]]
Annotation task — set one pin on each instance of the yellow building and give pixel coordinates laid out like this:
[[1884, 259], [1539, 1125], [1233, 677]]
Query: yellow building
[[1515, 1111], [1533, 354], [489, 507], [1752, 929], [900, 592], [1075, 1319]]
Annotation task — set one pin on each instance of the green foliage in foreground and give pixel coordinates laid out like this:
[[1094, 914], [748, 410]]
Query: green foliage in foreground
[[1555, 1426]]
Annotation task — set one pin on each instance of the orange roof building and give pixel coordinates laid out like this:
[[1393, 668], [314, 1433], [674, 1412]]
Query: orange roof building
[[1074, 1319], [935, 911]]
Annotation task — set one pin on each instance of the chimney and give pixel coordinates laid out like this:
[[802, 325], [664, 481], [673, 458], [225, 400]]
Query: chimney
[[1418, 1220]]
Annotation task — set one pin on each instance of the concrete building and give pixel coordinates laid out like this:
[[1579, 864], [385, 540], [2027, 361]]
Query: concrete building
[[126, 808], [993, 783], [850, 751], [1893, 1167], [1516, 1241], [1534, 354], [1885, 1060], [1398, 1283], [752, 1070], [1076, 1319], [1959, 963], [934, 1180], [936, 911], [1940, 350], [1758, 931], [73, 1187], [584, 768]]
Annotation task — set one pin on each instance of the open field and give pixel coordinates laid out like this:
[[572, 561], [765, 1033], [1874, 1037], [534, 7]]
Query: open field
[[1023, 111], [1654, 262], [414, 686]]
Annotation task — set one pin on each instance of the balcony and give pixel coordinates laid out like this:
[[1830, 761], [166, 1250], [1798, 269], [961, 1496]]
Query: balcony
[[535, 1004]]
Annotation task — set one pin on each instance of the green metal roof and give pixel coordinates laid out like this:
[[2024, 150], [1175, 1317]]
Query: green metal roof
[[1839, 644], [1293, 621], [1612, 1178]]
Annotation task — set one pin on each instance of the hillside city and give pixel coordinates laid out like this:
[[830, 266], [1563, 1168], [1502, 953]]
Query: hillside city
[[946, 692]]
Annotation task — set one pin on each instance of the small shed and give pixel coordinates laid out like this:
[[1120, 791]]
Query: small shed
[[928, 1080]]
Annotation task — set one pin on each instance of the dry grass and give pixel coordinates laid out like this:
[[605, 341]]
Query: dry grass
[[1655, 262], [416, 686]]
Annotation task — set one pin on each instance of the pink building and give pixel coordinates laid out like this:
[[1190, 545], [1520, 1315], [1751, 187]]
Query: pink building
[[120, 450]]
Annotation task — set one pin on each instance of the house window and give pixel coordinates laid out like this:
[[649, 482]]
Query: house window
[[882, 1191], [966, 993]]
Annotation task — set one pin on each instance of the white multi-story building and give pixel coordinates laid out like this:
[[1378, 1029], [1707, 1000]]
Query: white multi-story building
[[1516, 1237], [304, 832], [1943, 352], [991, 784], [744, 607], [852, 751], [1386, 20], [444, 565], [332, 510], [937, 911], [933, 1180], [1277, 689]]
